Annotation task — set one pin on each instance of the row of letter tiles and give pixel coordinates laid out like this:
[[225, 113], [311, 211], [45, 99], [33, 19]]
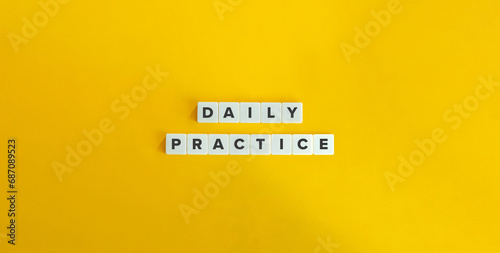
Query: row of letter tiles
[[249, 112], [249, 144]]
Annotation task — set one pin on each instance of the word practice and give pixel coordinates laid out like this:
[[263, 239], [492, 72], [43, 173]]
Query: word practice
[[249, 144]]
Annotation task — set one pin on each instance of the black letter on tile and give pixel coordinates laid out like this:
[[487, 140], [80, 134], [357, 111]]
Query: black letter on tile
[[218, 144], [228, 112], [292, 111], [175, 142], [300, 146], [323, 144], [205, 112], [236, 143], [260, 142], [269, 113], [196, 143]]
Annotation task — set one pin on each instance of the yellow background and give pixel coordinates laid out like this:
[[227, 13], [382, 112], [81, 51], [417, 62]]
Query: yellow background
[[125, 196]]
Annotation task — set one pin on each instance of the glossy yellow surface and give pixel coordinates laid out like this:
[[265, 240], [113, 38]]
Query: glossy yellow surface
[[408, 88]]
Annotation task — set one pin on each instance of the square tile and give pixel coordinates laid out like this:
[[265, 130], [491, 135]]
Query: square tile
[[260, 144], [303, 144], [249, 112], [270, 112], [229, 112], [291, 113], [175, 144], [239, 144], [218, 144], [208, 112], [323, 144], [281, 144], [197, 144]]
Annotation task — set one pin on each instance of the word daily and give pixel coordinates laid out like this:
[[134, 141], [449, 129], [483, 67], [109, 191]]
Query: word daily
[[251, 112]]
